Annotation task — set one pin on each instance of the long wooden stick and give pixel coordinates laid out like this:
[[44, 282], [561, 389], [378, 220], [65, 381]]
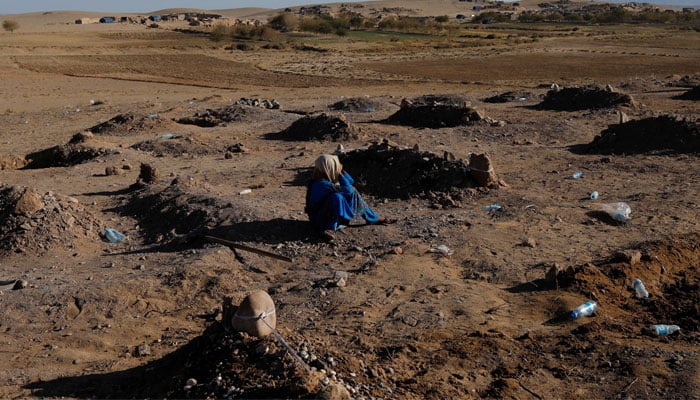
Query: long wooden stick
[[247, 248]]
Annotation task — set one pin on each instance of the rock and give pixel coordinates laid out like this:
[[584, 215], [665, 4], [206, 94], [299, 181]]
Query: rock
[[143, 350], [631, 256], [334, 391], [481, 170], [28, 203], [246, 319], [20, 284], [397, 250], [81, 137], [113, 171], [149, 174], [551, 275], [530, 242]]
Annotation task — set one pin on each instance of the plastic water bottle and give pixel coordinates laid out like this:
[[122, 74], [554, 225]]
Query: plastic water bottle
[[494, 206], [594, 195], [584, 310], [640, 289], [577, 175], [665, 329], [113, 236]]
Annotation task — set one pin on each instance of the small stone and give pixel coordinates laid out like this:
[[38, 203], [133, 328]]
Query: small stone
[[148, 174], [334, 391], [551, 275], [530, 242], [112, 170], [143, 350], [191, 382], [397, 250], [20, 284]]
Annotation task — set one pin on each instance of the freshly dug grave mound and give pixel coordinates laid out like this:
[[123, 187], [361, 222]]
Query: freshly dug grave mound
[[245, 370], [358, 104], [692, 94], [178, 146], [669, 270], [33, 223], [62, 156], [319, 127], [507, 97], [210, 118], [583, 98], [387, 171], [663, 134], [130, 124], [435, 112]]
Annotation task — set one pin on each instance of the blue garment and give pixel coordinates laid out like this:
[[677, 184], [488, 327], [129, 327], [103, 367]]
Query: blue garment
[[331, 205]]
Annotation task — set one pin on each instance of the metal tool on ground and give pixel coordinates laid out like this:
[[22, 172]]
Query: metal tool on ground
[[248, 248]]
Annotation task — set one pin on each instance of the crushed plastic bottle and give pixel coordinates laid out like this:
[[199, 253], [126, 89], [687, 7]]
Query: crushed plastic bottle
[[442, 249], [494, 206], [662, 329], [113, 236], [640, 289], [152, 116], [594, 195], [577, 175], [619, 211], [168, 136], [584, 310]]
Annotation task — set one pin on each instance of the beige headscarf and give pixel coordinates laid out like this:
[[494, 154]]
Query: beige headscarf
[[327, 166]]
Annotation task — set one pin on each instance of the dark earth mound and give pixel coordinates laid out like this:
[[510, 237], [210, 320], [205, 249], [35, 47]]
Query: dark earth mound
[[583, 98], [433, 111], [319, 127], [62, 156], [692, 94], [358, 104], [387, 171], [507, 97], [663, 134], [220, 117], [129, 124], [34, 223]]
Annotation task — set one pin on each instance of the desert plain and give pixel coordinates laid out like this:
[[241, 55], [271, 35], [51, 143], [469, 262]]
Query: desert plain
[[453, 301]]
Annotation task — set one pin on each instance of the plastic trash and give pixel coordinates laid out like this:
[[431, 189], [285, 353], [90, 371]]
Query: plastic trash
[[639, 288], [442, 249], [369, 109], [664, 329], [619, 211], [152, 116], [113, 236], [594, 195], [494, 206], [245, 191], [168, 136], [584, 310], [577, 175]]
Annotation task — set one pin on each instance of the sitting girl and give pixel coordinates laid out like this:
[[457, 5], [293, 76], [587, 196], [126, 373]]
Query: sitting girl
[[331, 200]]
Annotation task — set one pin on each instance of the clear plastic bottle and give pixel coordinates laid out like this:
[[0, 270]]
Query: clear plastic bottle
[[664, 329], [584, 310], [494, 206], [594, 195], [577, 175], [113, 236], [639, 288]]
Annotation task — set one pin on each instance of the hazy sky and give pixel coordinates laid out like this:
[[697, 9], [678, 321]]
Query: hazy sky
[[140, 6], [137, 6]]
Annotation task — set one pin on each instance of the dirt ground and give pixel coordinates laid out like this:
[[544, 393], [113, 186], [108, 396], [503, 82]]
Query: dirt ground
[[451, 301]]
